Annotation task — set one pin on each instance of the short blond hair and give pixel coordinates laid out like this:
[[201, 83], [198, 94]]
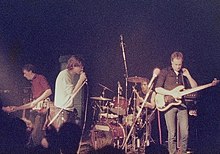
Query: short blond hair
[[177, 55]]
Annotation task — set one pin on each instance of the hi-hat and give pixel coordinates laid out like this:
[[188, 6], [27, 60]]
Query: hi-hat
[[136, 79], [100, 98]]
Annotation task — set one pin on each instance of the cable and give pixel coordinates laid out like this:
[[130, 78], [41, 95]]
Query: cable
[[85, 117]]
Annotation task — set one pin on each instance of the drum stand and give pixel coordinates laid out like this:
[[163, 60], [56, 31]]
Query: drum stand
[[135, 140], [134, 115]]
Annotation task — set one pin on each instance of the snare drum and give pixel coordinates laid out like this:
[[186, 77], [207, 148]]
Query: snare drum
[[111, 133], [120, 105], [107, 117]]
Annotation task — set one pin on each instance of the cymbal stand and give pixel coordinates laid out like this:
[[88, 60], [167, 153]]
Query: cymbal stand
[[105, 104], [134, 115]]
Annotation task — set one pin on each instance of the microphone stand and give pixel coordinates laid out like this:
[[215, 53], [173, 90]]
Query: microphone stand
[[139, 113], [71, 98], [122, 44]]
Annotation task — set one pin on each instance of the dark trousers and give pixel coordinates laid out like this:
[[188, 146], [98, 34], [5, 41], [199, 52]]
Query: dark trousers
[[37, 133], [64, 116]]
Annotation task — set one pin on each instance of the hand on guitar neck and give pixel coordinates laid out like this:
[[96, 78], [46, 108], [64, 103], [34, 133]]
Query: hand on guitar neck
[[164, 102], [40, 107]]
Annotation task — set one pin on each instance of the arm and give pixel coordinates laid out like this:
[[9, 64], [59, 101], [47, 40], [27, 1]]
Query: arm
[[150, 104], [32, 104], [192, 82], [82, 78]]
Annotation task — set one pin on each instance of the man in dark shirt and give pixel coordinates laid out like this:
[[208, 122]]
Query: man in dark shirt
[[168, 79]]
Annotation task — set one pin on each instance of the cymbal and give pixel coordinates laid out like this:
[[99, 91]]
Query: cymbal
[[136, 79], [100, 98]]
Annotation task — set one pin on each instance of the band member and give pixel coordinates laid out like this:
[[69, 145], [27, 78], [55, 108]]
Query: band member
[[40, 91], [65, 89], [142, 93], [148, 106], [168, 79]]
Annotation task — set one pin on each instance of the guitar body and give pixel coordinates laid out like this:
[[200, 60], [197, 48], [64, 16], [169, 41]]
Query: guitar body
[[164, 102], [42, 106]]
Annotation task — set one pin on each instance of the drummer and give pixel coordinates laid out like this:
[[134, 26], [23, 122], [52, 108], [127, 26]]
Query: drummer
[[150, 104]]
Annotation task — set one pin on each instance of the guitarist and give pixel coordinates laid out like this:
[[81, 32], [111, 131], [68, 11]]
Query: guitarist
[[168, 79], [40, 91]]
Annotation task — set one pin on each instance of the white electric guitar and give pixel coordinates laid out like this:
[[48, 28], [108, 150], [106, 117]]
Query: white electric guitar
[[42, 106], [164, 102]]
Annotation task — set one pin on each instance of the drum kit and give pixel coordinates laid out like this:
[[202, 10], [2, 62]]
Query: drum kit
[[112, 120]]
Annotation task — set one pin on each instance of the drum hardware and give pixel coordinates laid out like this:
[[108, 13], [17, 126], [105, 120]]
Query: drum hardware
[[104, 133], [105, 88], [119, 105], [150, 85], [136, 118], [136, 79], [100, 98]]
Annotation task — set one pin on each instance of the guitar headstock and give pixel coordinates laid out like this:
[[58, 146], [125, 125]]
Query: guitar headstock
[[215, 82]]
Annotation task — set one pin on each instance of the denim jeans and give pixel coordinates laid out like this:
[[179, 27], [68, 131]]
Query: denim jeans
[[37, 133], [64, 116], [174, 116]]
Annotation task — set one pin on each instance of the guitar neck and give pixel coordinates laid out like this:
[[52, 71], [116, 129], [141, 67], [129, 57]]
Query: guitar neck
[[188, 91]]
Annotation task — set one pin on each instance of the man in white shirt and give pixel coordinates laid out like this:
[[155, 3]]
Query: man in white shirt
[[65, 89]]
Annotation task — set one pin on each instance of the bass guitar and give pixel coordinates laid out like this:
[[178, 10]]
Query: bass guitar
[[164, 102]]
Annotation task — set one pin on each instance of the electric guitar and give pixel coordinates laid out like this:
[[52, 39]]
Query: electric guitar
[[42, 106], [164, 102]]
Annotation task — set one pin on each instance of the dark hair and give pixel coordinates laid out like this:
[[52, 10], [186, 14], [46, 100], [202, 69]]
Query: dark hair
[[145, 80], [29, 67], [177, 55], [75, 60]]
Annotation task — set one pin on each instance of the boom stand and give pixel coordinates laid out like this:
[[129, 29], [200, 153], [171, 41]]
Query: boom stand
[[138, 115]]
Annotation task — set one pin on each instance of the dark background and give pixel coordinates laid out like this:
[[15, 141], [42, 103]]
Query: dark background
[[39, 32]]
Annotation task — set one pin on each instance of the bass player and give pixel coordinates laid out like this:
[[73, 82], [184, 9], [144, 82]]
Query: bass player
[[168, 79]]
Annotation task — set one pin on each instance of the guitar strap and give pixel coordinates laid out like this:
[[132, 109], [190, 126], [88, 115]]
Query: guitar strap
[[182, 78], [184, 84]]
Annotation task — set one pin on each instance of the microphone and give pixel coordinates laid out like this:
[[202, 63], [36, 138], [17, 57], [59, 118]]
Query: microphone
[[156, 72], [119, 86], [121, 38], [85, 80], [122, 42]]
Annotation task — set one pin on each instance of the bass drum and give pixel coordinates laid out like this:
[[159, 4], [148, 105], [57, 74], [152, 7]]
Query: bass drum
[[111, 133]]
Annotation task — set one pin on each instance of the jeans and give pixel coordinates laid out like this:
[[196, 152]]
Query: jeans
[[64, 116], [37, 133], [172, 116]]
